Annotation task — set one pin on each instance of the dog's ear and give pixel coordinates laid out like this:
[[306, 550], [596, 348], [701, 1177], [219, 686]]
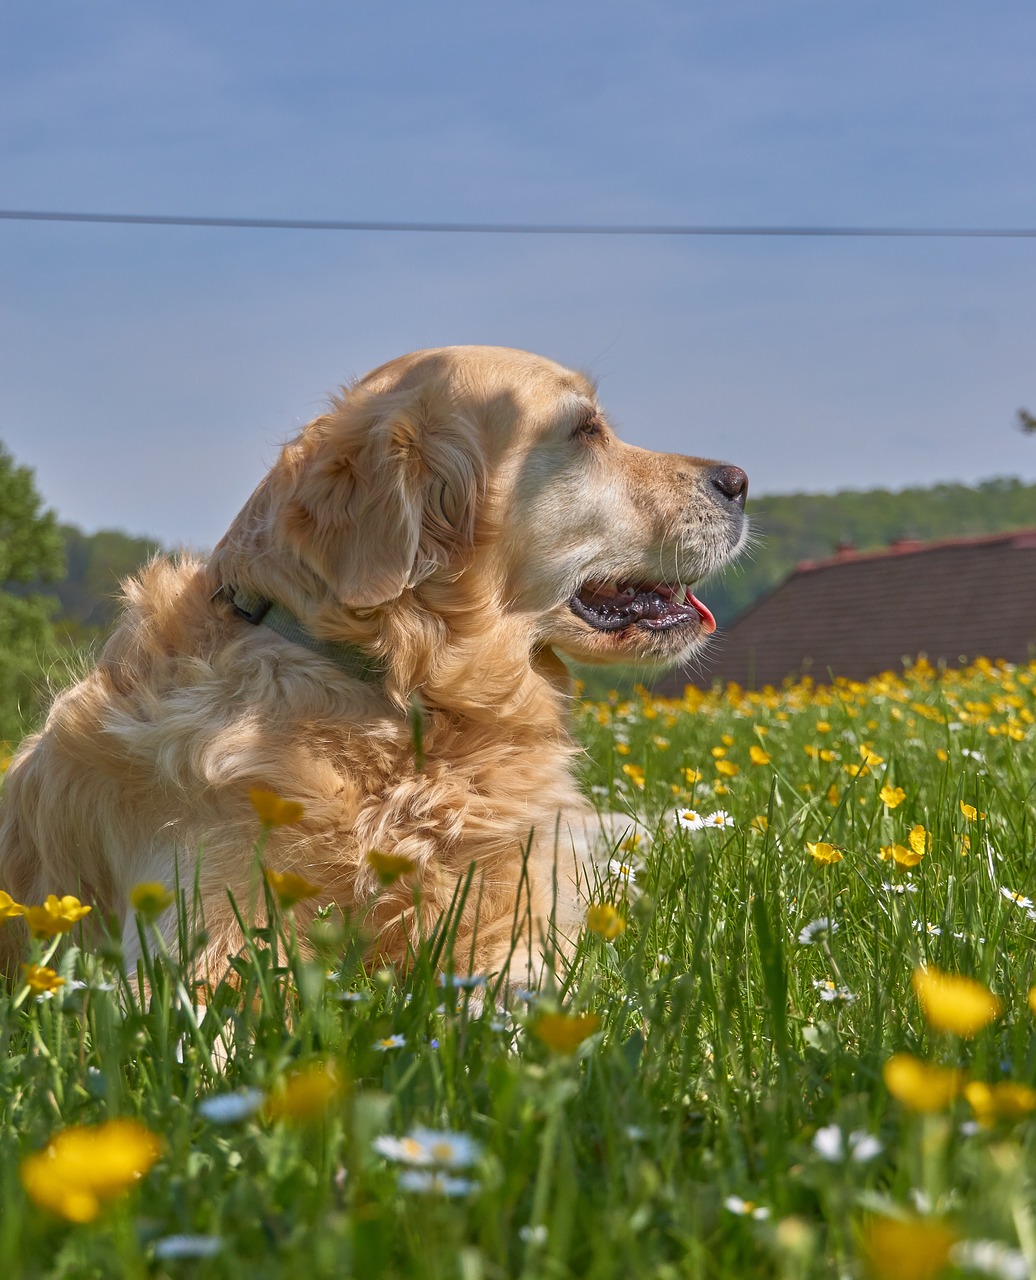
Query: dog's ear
[[385, 493]]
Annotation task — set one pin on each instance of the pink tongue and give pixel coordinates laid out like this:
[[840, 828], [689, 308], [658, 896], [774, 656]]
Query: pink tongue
[[708, 621]]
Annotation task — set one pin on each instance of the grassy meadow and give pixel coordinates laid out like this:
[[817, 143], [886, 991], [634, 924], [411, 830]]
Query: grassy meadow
[[798, 1038]]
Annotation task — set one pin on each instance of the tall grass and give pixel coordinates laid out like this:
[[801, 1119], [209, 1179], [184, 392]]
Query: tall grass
[[727, 1116]]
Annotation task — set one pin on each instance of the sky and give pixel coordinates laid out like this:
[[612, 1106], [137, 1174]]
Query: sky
[[149, 374]]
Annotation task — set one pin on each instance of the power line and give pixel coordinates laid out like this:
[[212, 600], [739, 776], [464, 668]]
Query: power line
[[522, 228]]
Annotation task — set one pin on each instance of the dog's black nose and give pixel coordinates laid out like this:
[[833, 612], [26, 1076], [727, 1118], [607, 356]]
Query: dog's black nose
[[732, 483]]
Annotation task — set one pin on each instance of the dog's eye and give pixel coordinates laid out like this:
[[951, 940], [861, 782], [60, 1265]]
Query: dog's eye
[[588, 428]]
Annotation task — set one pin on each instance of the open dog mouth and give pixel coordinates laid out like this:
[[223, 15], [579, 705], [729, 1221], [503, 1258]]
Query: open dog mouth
[[611, 606]]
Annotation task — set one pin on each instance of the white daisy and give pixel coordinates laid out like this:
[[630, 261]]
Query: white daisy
[[904, 886], [231, 1108], [746, 1208], [817, 929], [1018, 899], [932, 930], [831, 1145], [389, 1042], [689, 819], [426, 1147], [624, 871], [831, 993], [719, 819], [462, 981], [187, 1247], [427, 1182], [990, 1258]]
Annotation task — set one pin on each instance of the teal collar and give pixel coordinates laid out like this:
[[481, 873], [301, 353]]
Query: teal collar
[[347, 657]]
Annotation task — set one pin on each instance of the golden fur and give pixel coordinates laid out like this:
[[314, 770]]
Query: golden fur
[[439, 516]]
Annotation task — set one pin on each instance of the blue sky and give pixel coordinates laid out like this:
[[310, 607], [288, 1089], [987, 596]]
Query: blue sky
[[148, 374]]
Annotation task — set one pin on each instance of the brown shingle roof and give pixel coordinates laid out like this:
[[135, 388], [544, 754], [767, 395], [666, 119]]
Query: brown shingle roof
[[860, 613]]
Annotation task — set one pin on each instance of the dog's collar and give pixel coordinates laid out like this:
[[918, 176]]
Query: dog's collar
[[258, 611]]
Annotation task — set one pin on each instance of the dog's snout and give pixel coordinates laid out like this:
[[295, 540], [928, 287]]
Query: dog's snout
[[732, 483]]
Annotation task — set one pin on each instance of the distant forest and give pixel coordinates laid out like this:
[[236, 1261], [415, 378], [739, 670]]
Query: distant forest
[[790, 527], [787, 528]]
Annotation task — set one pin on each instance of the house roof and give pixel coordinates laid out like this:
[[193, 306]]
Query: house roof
[[859, 613]]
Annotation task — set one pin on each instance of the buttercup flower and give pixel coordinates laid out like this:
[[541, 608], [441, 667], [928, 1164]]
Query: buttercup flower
[[920, 840], [85, 1165], [40, 979], [290, 887], [901, 855], [151, 898], [8, 907], [757, 755], [955, 1004], [727, 768], [390, 866], [305, 1095], [921, 1086], [273, 811], [892, 796], [1003, 1101], [565, 1032], [917, 1249], [970, 812], [56, 915], [823, 854], [603, 919]]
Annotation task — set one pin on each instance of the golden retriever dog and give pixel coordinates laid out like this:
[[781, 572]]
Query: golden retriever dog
[[455, 521]]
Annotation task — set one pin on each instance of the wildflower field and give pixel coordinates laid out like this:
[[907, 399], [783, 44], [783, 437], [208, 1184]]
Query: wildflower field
[[798, 1037]]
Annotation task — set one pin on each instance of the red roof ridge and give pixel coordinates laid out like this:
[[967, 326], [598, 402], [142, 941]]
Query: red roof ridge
[[1021, 538]]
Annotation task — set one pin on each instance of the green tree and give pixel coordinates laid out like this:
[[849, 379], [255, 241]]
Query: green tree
[[31, 550]]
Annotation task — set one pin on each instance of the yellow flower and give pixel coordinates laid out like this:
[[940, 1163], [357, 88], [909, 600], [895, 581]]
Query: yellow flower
[[920, 840], [151, 898], [719, 752], [87, 1164], [762, 823], [823, 726], [8, 907], [305, 1095], [290, 887], [565, 1032], [726, 767], [603, 919], [57, 915], [41, 979], [823, 854], [870, 757], [1032, 999], [951, 1003], [892, 796], [921, 1086], [757, 755], [917, 1249], [833, 795], [635, 774], [900, 855], [970, 812], [390, 866], [622, 748], [942, 755], [273, 811], [691, 776], [1003, 1101]]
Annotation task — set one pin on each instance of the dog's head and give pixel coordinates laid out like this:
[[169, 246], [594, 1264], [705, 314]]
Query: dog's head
[[495, 468]]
